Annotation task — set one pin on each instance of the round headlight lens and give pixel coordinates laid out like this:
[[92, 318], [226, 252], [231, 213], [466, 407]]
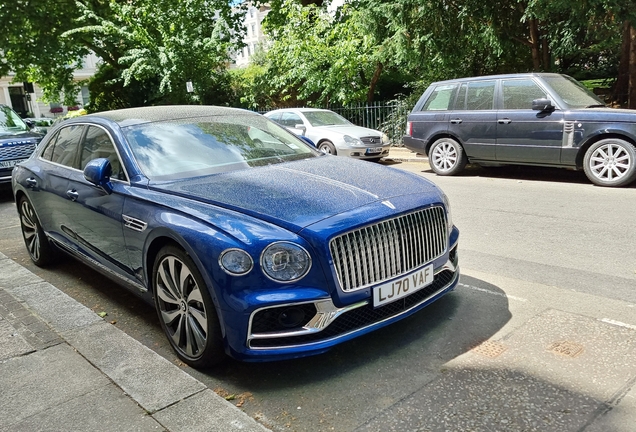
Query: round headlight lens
[[285, 262], [236, 262]]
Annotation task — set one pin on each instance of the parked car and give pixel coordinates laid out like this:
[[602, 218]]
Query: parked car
[[264, 251], [523, 119], [40, 124], [332, 133], [17, 141]]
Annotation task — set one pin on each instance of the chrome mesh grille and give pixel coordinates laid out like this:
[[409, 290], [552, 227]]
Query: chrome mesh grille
[[16, 151], [379, 252], [372, 140]]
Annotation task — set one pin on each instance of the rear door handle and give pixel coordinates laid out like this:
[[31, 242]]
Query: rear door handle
[[456, 121], [72, 194], [504, 121], [31, 182]]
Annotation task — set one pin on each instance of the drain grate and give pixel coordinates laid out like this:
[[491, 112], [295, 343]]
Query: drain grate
[[490, 349], [566, 348]]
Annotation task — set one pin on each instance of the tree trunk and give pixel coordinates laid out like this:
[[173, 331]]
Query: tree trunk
[[547, 60], [631, 102], [535, 42], [621, 87], [374, 80]]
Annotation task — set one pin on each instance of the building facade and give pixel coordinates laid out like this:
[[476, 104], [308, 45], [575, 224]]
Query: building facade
[[254, 38]]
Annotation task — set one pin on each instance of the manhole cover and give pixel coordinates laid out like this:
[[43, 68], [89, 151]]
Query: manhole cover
[[489, 349], [566, 348]]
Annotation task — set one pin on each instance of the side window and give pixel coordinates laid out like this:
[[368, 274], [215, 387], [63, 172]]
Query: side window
[[441, 98], [47, 154], [290, 119], [519, 93], [66, 146], [97, 144], [480, 95]]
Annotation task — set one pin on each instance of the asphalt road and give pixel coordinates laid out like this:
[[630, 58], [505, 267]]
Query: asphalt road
[[540, 335]]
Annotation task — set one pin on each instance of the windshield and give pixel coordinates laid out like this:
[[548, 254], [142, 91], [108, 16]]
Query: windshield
[[209, 145], [572, 92], [325, 118], [10, 122]]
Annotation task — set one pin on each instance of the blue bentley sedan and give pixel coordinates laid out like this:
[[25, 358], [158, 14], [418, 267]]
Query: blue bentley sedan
[[248, 241]]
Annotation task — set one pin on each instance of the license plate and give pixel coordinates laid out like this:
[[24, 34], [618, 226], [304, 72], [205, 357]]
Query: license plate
[[400, 288], [373, 150], [10, 163]]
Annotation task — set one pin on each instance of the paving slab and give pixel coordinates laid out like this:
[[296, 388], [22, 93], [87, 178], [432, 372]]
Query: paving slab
[[12, 344], [148, 378], [105, 409], [39, 381], [206, 412]]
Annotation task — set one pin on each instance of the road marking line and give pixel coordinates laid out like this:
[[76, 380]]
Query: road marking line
[[617, 323], [492, 292]]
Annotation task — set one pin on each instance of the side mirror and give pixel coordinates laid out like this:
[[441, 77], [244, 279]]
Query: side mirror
[[301, 127], [30, 123], [542, 105], [98, 172]]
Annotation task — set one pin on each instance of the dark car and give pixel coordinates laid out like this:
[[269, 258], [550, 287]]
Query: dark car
[[17, 141], [539, 119], [247, 240]]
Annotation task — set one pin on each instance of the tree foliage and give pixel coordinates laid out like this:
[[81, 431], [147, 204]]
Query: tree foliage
[[149, 48]]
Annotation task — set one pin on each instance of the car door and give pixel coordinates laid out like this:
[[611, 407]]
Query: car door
[[290, 120], [523, 134], [95, 216], [474, 119], [49, 185]]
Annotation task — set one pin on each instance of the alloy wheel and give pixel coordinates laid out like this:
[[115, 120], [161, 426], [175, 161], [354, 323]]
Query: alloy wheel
[[181, 307], [610, 162], [30, 229], [445, 156]]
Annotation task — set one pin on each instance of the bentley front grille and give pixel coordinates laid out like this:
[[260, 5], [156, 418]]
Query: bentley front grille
[[375, 253]]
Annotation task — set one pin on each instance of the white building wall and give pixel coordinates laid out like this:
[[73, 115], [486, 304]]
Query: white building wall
[[254, 37]]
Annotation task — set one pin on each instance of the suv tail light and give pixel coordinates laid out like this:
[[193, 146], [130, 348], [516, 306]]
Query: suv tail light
[[409, 128]]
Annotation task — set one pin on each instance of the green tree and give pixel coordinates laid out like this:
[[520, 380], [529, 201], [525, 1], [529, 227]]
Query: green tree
[[149, 49]]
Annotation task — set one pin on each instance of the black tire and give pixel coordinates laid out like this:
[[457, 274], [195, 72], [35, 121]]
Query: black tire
[[446, 157], [610, 162], [185, 308], [327, 147], [38, 246]]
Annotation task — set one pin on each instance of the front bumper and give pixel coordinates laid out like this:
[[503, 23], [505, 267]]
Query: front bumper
[[364, 152], [329, 325]]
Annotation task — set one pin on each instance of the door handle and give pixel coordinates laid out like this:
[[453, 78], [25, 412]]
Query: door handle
[[504, 121], [72, 194], [31, 182], [456, 121]]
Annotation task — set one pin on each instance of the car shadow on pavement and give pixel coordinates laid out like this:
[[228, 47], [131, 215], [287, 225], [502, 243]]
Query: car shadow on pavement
[[528, 173]]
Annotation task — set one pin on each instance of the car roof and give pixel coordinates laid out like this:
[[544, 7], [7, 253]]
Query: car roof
[[133, 116], [490, 77], [298, 109]]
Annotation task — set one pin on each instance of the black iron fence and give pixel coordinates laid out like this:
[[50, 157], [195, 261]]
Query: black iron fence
[[388, 117]]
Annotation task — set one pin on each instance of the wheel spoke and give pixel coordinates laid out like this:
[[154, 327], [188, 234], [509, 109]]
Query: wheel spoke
[[166, 276]]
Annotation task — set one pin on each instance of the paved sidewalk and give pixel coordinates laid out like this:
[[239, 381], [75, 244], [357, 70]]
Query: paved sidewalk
[[402, 154], [62, 367]]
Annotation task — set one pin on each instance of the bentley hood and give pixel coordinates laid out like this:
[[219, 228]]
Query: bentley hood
[[297, 194]]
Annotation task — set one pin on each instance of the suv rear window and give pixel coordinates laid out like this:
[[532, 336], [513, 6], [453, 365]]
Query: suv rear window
[[441, 98]]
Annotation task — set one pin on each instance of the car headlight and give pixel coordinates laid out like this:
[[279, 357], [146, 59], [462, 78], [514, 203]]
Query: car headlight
[[285, 262], [449, 215], [385, 139], [236, 262], [353, 141]]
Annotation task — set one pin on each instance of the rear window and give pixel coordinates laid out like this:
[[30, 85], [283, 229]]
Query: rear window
[[441, 98]]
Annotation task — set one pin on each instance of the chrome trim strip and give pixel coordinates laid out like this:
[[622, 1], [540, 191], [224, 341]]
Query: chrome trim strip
[[97, 264], [327, 313], [134, 224]]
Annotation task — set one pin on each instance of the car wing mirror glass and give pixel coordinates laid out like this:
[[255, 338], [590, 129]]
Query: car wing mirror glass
[[542, 105], [98, 172]]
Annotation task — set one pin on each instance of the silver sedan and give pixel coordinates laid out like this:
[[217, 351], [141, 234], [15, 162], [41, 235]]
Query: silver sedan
[[332, 133]]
